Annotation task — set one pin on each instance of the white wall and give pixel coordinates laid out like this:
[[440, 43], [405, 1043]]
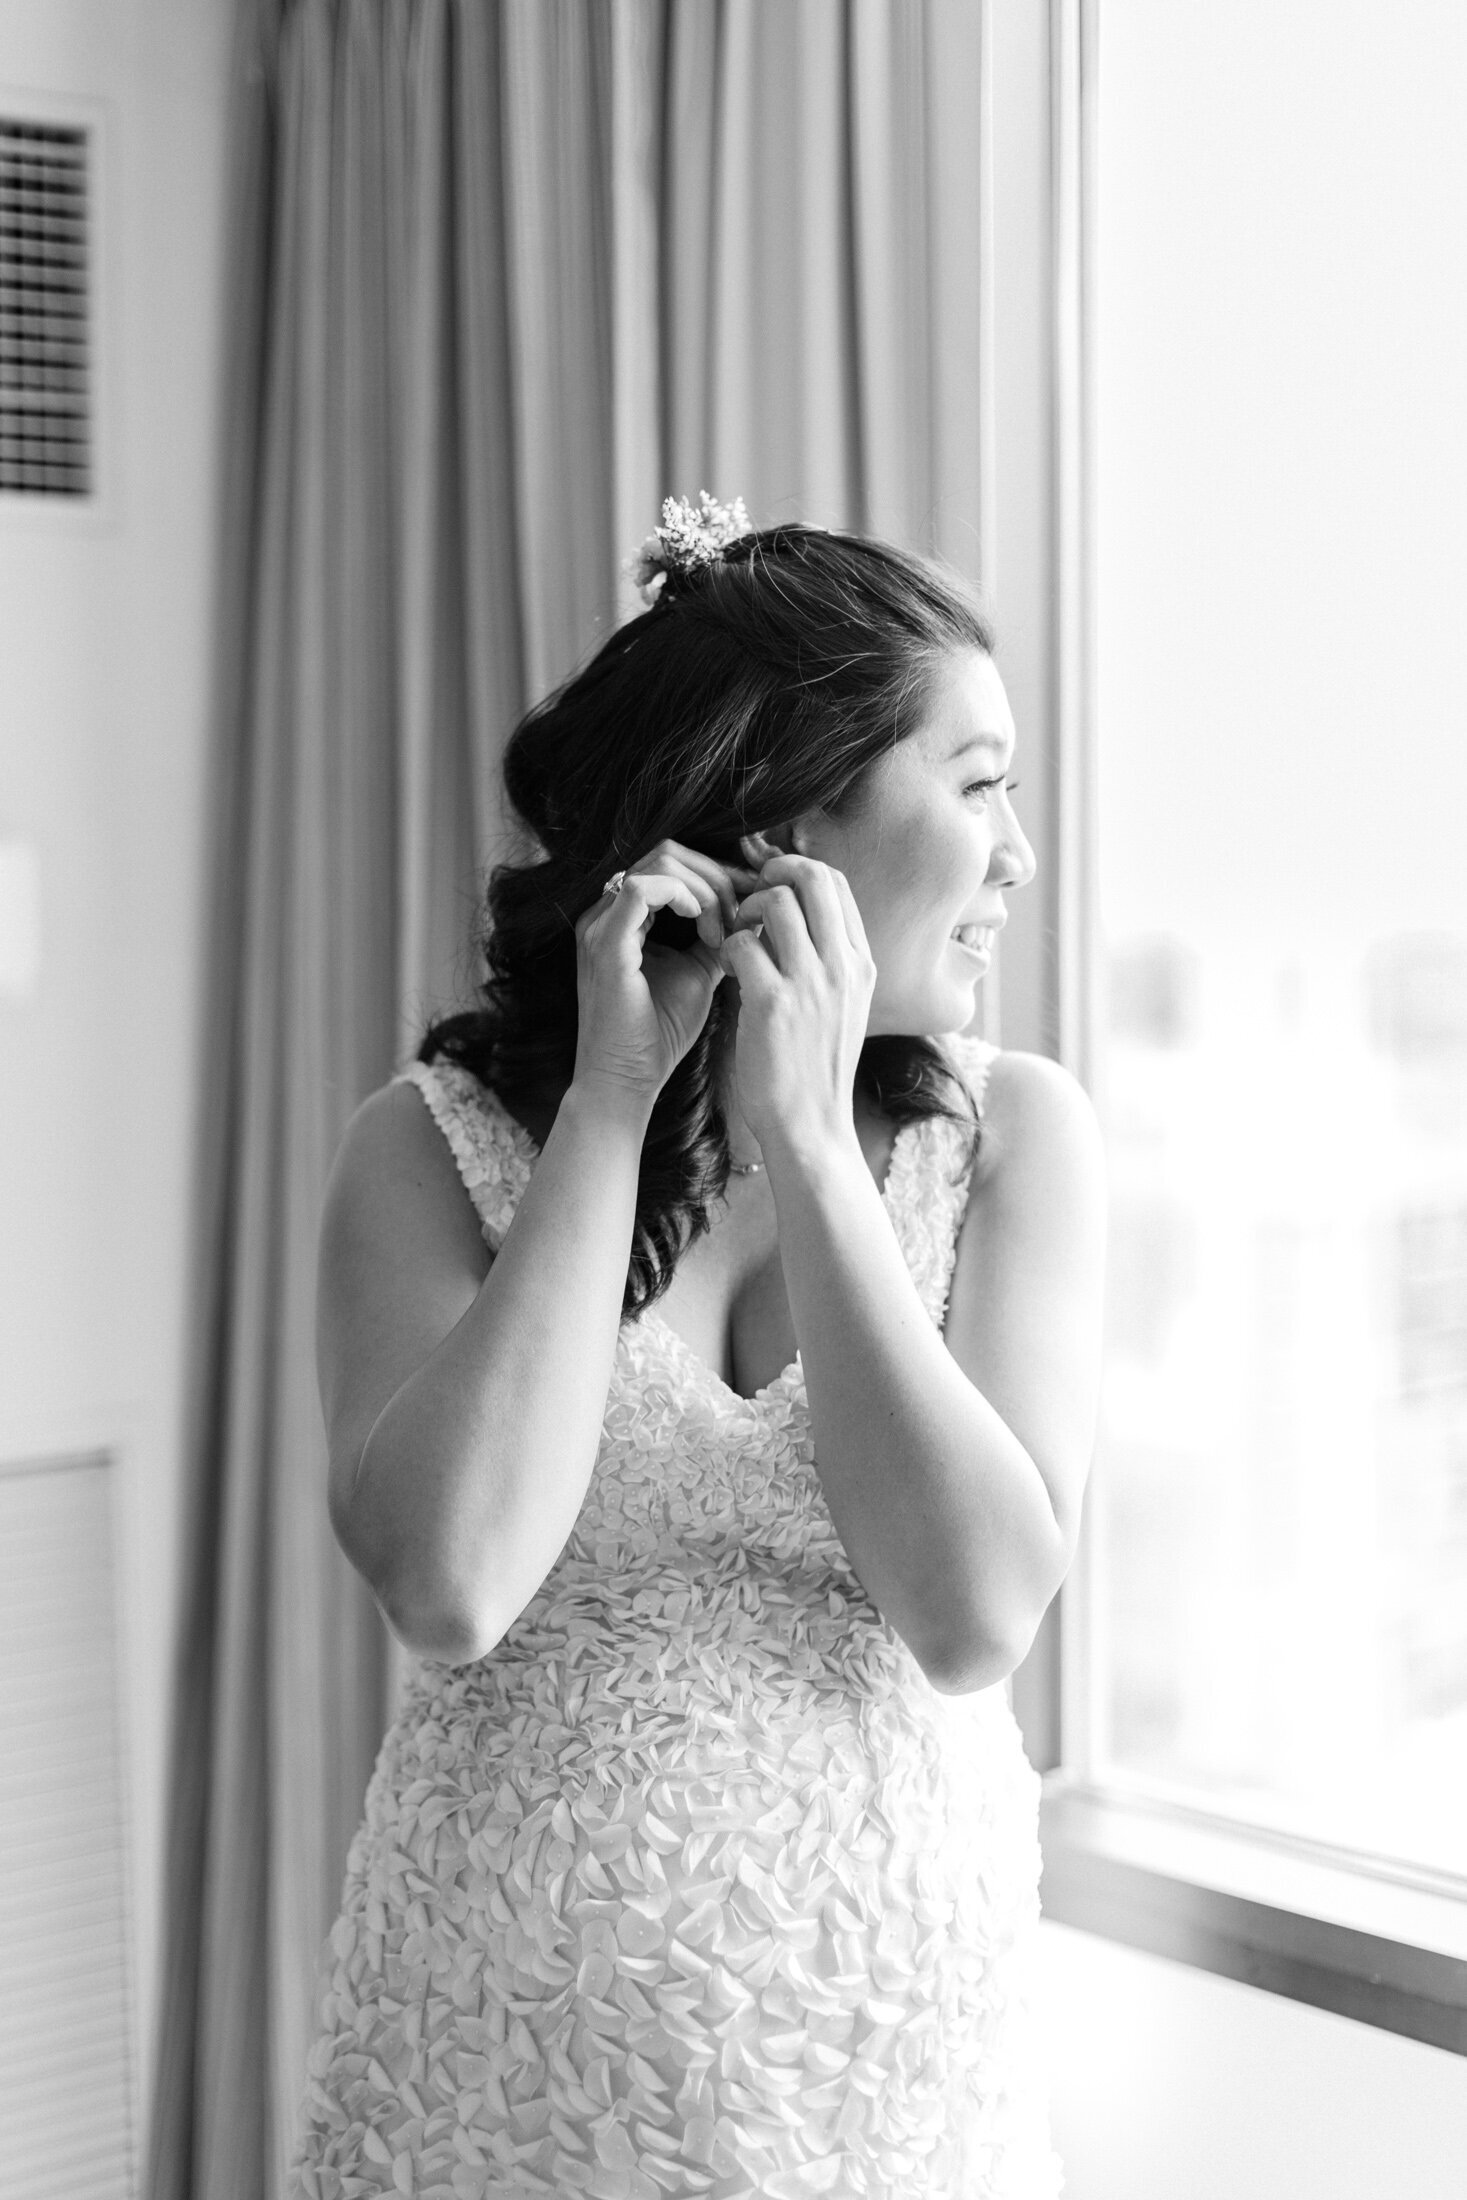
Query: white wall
[[103, 639], [1173, 2085]]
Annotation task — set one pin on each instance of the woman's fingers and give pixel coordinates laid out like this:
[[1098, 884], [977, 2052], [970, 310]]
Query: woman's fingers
[[799, 901], [714, 886], [623, 917], [778, 910], [816, 889], [646, 891], [728, 880], [745, 957]]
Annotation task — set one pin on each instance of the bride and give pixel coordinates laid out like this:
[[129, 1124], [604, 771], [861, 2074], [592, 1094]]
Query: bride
[[709, 1349]]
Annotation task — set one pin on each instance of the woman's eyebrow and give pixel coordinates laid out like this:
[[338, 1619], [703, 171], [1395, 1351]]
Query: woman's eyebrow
[[977, 741]]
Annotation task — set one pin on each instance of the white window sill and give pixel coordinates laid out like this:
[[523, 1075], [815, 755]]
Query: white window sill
[[1385, 1945]]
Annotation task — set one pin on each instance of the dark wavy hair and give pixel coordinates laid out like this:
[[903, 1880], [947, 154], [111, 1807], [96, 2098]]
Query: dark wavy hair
[[757, 687]]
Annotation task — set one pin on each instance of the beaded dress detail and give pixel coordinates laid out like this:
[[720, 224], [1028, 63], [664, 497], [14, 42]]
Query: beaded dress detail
[[695, 1885]]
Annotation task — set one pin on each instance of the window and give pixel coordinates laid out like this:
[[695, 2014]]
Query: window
[[1266, 1647]]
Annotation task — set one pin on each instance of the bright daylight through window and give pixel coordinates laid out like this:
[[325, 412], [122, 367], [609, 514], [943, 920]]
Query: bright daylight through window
[[1278, 1622]]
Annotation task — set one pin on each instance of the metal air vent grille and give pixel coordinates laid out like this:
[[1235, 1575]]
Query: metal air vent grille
[[45, 368], [66, 2060]]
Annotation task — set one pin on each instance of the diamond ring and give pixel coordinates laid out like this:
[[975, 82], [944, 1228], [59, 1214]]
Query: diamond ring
[[614, 883]]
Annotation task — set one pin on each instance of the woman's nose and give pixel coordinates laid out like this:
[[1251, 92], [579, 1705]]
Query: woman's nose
[[1012, 861]]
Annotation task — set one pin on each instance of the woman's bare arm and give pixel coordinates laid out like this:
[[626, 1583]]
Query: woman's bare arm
[[954, 1471], [464, 1400], [464, 1407]]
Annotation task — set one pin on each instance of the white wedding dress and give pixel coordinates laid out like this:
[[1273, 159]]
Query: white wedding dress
[[694, 1885]]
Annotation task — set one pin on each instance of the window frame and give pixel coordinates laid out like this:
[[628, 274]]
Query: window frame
[[1362, 1936]]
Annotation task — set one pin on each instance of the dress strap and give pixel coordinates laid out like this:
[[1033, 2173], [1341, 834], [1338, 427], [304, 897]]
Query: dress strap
[[929, 1178], [494, 1153], [973, 1059], [926, 1189]]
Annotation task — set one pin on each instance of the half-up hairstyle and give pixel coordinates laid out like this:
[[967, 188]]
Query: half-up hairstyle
[[756, 687]]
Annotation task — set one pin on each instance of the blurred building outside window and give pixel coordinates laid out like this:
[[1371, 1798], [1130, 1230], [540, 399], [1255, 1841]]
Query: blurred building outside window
[[1277, 1624]]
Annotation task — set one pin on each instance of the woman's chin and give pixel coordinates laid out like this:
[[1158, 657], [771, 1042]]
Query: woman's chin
[[938, 1011]]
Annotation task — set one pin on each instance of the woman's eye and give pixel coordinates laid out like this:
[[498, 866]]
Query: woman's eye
[[981, 786]]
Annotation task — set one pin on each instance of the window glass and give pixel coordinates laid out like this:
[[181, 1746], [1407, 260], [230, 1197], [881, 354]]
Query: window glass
[[1279, 1619]]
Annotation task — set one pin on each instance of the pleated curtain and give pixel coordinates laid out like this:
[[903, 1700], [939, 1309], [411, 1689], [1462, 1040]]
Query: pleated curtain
[[505, 275]]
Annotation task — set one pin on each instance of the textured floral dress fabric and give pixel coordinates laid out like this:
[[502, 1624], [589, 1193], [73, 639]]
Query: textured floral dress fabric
[[694, 1885]]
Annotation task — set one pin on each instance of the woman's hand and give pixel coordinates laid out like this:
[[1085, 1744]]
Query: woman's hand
[[642, 1004], [805, 986]]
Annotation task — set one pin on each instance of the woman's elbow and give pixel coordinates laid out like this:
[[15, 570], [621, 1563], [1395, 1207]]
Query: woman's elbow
[[430, 1615], [435, 1614], [977, 1664], [989, 1655], [441, 1628]]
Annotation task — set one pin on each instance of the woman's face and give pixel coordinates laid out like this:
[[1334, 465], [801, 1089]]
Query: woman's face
[[929, 850]]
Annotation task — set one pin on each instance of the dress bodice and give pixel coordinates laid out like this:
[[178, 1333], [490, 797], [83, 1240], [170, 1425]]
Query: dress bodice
[[925, 1192], [694, 1482]]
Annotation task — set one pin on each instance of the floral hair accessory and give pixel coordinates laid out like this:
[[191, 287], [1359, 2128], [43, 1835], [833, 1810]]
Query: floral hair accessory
[[690, 536]]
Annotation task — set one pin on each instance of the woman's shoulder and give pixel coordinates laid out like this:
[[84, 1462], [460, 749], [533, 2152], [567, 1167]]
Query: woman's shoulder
[[487, 1139], [432, 1134], [396, 1194], [1037, 1117]]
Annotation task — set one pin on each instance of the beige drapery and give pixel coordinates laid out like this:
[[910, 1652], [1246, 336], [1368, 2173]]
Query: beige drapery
[[507, 274]]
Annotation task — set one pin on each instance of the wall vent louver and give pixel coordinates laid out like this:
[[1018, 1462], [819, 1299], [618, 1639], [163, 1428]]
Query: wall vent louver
[[45, 365], [67, 2077]]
